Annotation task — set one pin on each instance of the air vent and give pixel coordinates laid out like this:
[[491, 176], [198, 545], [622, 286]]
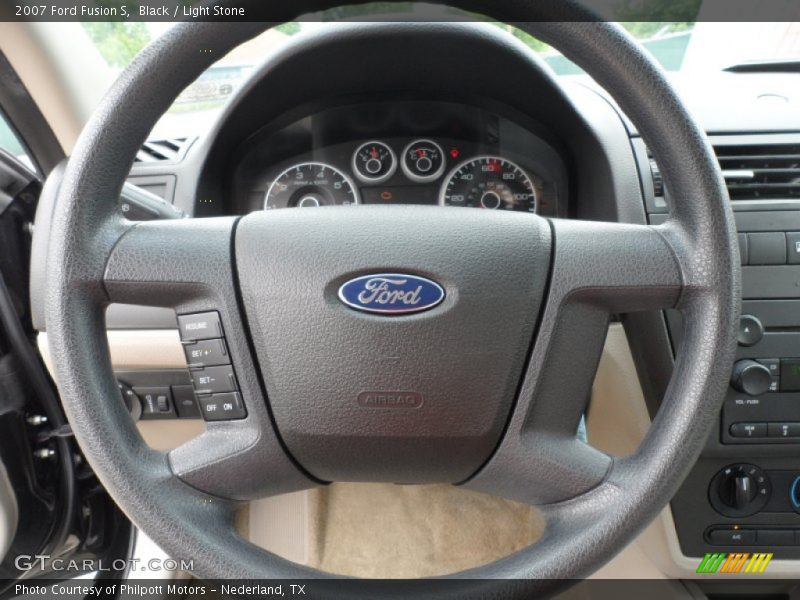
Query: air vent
[[761, 172], [169, 150]]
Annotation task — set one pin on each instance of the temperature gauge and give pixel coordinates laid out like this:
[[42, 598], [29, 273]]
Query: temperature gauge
[[374, 162], [423, 161]]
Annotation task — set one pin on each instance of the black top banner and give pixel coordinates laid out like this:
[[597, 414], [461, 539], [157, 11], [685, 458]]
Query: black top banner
[[232, 11]]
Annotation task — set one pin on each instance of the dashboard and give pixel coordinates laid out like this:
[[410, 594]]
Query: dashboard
[[399, 152]]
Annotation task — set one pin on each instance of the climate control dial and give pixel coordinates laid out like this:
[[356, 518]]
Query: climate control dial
[[739, 490]]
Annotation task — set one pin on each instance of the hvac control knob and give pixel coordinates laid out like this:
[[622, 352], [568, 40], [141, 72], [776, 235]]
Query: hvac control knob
[[751, 377], [739, 490]]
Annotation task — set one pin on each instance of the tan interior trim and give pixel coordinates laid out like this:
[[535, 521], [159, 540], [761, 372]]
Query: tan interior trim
[[146, 349], [34, 63], [281, 525], [136, 349]]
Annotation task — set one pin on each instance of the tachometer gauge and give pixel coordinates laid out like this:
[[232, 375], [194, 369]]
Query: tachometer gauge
[[310, 184], [374, 162], [489, 182]]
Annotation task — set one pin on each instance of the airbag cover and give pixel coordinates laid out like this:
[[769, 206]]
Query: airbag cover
[[410, 397]]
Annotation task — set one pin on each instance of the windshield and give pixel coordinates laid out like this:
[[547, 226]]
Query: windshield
[[685, 47]]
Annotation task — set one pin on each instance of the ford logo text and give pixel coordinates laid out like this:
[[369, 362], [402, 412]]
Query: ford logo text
[[391, 293]]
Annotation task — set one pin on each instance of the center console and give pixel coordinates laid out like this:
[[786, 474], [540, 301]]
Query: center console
[[744, 492]]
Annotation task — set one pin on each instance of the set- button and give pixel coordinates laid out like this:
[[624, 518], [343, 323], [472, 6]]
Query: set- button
[[209, 361], [214, 380]]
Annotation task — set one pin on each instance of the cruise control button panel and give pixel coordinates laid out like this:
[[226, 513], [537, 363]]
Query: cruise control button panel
[[210, 366]]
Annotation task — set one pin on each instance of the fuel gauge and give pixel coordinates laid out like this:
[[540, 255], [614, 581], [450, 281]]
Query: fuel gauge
[[423, 161], [374, 162]]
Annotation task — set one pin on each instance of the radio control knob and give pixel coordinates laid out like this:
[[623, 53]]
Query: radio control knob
[[751, 377]]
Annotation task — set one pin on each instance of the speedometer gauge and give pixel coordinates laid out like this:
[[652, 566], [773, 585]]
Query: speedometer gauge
[[310, 184], [489, 182]]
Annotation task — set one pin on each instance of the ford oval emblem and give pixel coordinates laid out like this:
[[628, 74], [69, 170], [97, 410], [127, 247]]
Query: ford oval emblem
[[391, 293]]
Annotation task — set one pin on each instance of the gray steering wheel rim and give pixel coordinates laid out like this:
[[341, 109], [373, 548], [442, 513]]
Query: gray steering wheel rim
[[187, 523]]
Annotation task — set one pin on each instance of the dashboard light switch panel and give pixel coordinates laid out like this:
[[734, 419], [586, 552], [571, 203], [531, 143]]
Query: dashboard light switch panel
[[156, 402]]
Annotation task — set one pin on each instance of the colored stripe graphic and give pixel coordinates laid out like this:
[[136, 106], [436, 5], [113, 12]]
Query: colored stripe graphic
[[729, 565], [765, 558], [703, 566], [740, 562], [710, 563]]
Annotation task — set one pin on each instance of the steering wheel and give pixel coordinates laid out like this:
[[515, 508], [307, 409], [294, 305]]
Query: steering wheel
[[482, 373]]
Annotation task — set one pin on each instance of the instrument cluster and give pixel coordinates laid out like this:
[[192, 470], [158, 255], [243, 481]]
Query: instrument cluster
[[471, 159], [489, 182]]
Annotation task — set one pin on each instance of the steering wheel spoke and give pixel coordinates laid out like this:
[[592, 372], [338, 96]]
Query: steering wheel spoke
[[187, 265], [598, 269], [615, 267], [182, 264]]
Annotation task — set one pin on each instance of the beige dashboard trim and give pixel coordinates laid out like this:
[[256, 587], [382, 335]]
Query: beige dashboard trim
[[22, 45], [136, 349], [146, 349]]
